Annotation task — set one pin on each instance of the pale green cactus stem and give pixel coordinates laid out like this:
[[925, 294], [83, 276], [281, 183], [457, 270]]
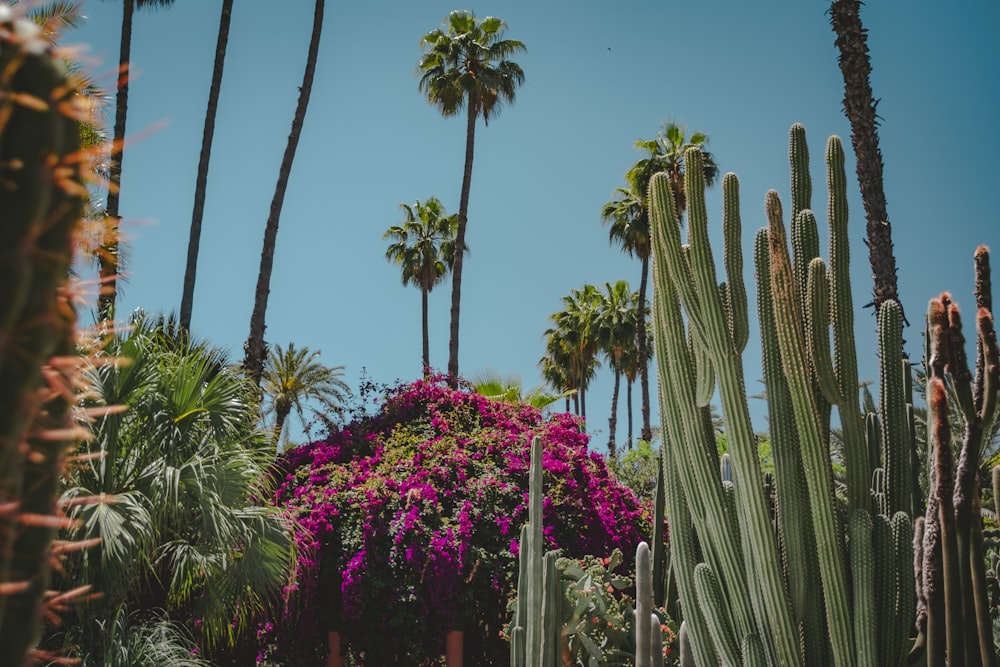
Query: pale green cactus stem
[[690, 455], [863, 580], [712, 602], [736, 293], [794, 520], [753, 652], [536, 551], [895, 430], [551, 645], [842, 319], [698, 291], [819, 480], [643, 606], [798, 158]]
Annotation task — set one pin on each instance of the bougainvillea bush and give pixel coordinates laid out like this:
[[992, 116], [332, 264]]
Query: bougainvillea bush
[[411, 518]]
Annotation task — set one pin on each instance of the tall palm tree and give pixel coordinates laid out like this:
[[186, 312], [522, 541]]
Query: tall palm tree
[[179, 474], [201, 181], [292, 378], [254, 348], [617, 326], [466, 67], [861, 110], [109, 258], [576, 338], [556, 374], [629, 219], [424, 247]]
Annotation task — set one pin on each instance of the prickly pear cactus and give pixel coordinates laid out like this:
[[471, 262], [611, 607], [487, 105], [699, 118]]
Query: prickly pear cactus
[[41, 200]]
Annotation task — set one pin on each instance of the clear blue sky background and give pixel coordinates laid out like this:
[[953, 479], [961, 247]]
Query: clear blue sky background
[[599, 75]]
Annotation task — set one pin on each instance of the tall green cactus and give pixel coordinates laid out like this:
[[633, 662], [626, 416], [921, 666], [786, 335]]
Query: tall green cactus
[[41, 200], [536, 629], [748, 580]]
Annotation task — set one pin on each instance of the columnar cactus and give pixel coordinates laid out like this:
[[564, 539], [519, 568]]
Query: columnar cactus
[[748, 579], [41, 200], [955, 623], [536, 629]]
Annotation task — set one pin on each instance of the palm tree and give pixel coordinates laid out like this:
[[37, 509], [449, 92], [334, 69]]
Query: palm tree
[[201, 181], [508, 389], [861, 110], [617, 327], [467, 67], [424, 247], [254, 348], [575, 340], [629, 219], [178, 474], [556, 374], [292, 377], [109, 257]]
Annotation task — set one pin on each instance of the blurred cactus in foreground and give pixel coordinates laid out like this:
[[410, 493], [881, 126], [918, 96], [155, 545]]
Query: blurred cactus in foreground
[[41, 199]]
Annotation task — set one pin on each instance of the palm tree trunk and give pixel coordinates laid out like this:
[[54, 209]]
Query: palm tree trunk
[[860, 109], [647, 431], [254, 347], [187, 298], [108, 256], [427, 345], [463, 218], [628, 401], [280, 417], [613, 419]]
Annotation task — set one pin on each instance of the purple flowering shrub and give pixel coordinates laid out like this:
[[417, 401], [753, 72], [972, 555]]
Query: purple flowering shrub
[[411, 518]]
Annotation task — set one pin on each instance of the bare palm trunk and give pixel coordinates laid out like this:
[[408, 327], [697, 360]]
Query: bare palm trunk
[[463, 218], [108, 256], [647, 431], [628, 401], [201, 182], [860, 109], [280, 417], [254, 347], [427, 345], [613, 419]]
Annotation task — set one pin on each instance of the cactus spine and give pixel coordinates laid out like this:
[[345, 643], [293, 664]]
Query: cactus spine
[[747, 581], [41, 197]]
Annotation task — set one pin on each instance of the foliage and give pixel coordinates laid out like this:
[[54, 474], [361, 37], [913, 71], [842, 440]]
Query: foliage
[[636, 469], [178, 473], [412, 519], [293, 377], [599, 620]]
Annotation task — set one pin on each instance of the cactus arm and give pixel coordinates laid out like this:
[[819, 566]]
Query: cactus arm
[[892, 408], [863, 579], [818, 310], [798, 158], [643, 606], [707, 318], [711, 602], [753, 652], [739, 324], [659, 548], [551, 645], [517, 647], [901, 527], [816, 463], [690, 453], [859, 469], [536, 550]]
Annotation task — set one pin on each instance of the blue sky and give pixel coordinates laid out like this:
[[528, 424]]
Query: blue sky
[[599, 76]]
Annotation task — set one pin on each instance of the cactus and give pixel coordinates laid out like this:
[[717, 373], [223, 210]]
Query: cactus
[[643, 606], [955, 621], [762, 579], [536, 629], [41, 197]]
